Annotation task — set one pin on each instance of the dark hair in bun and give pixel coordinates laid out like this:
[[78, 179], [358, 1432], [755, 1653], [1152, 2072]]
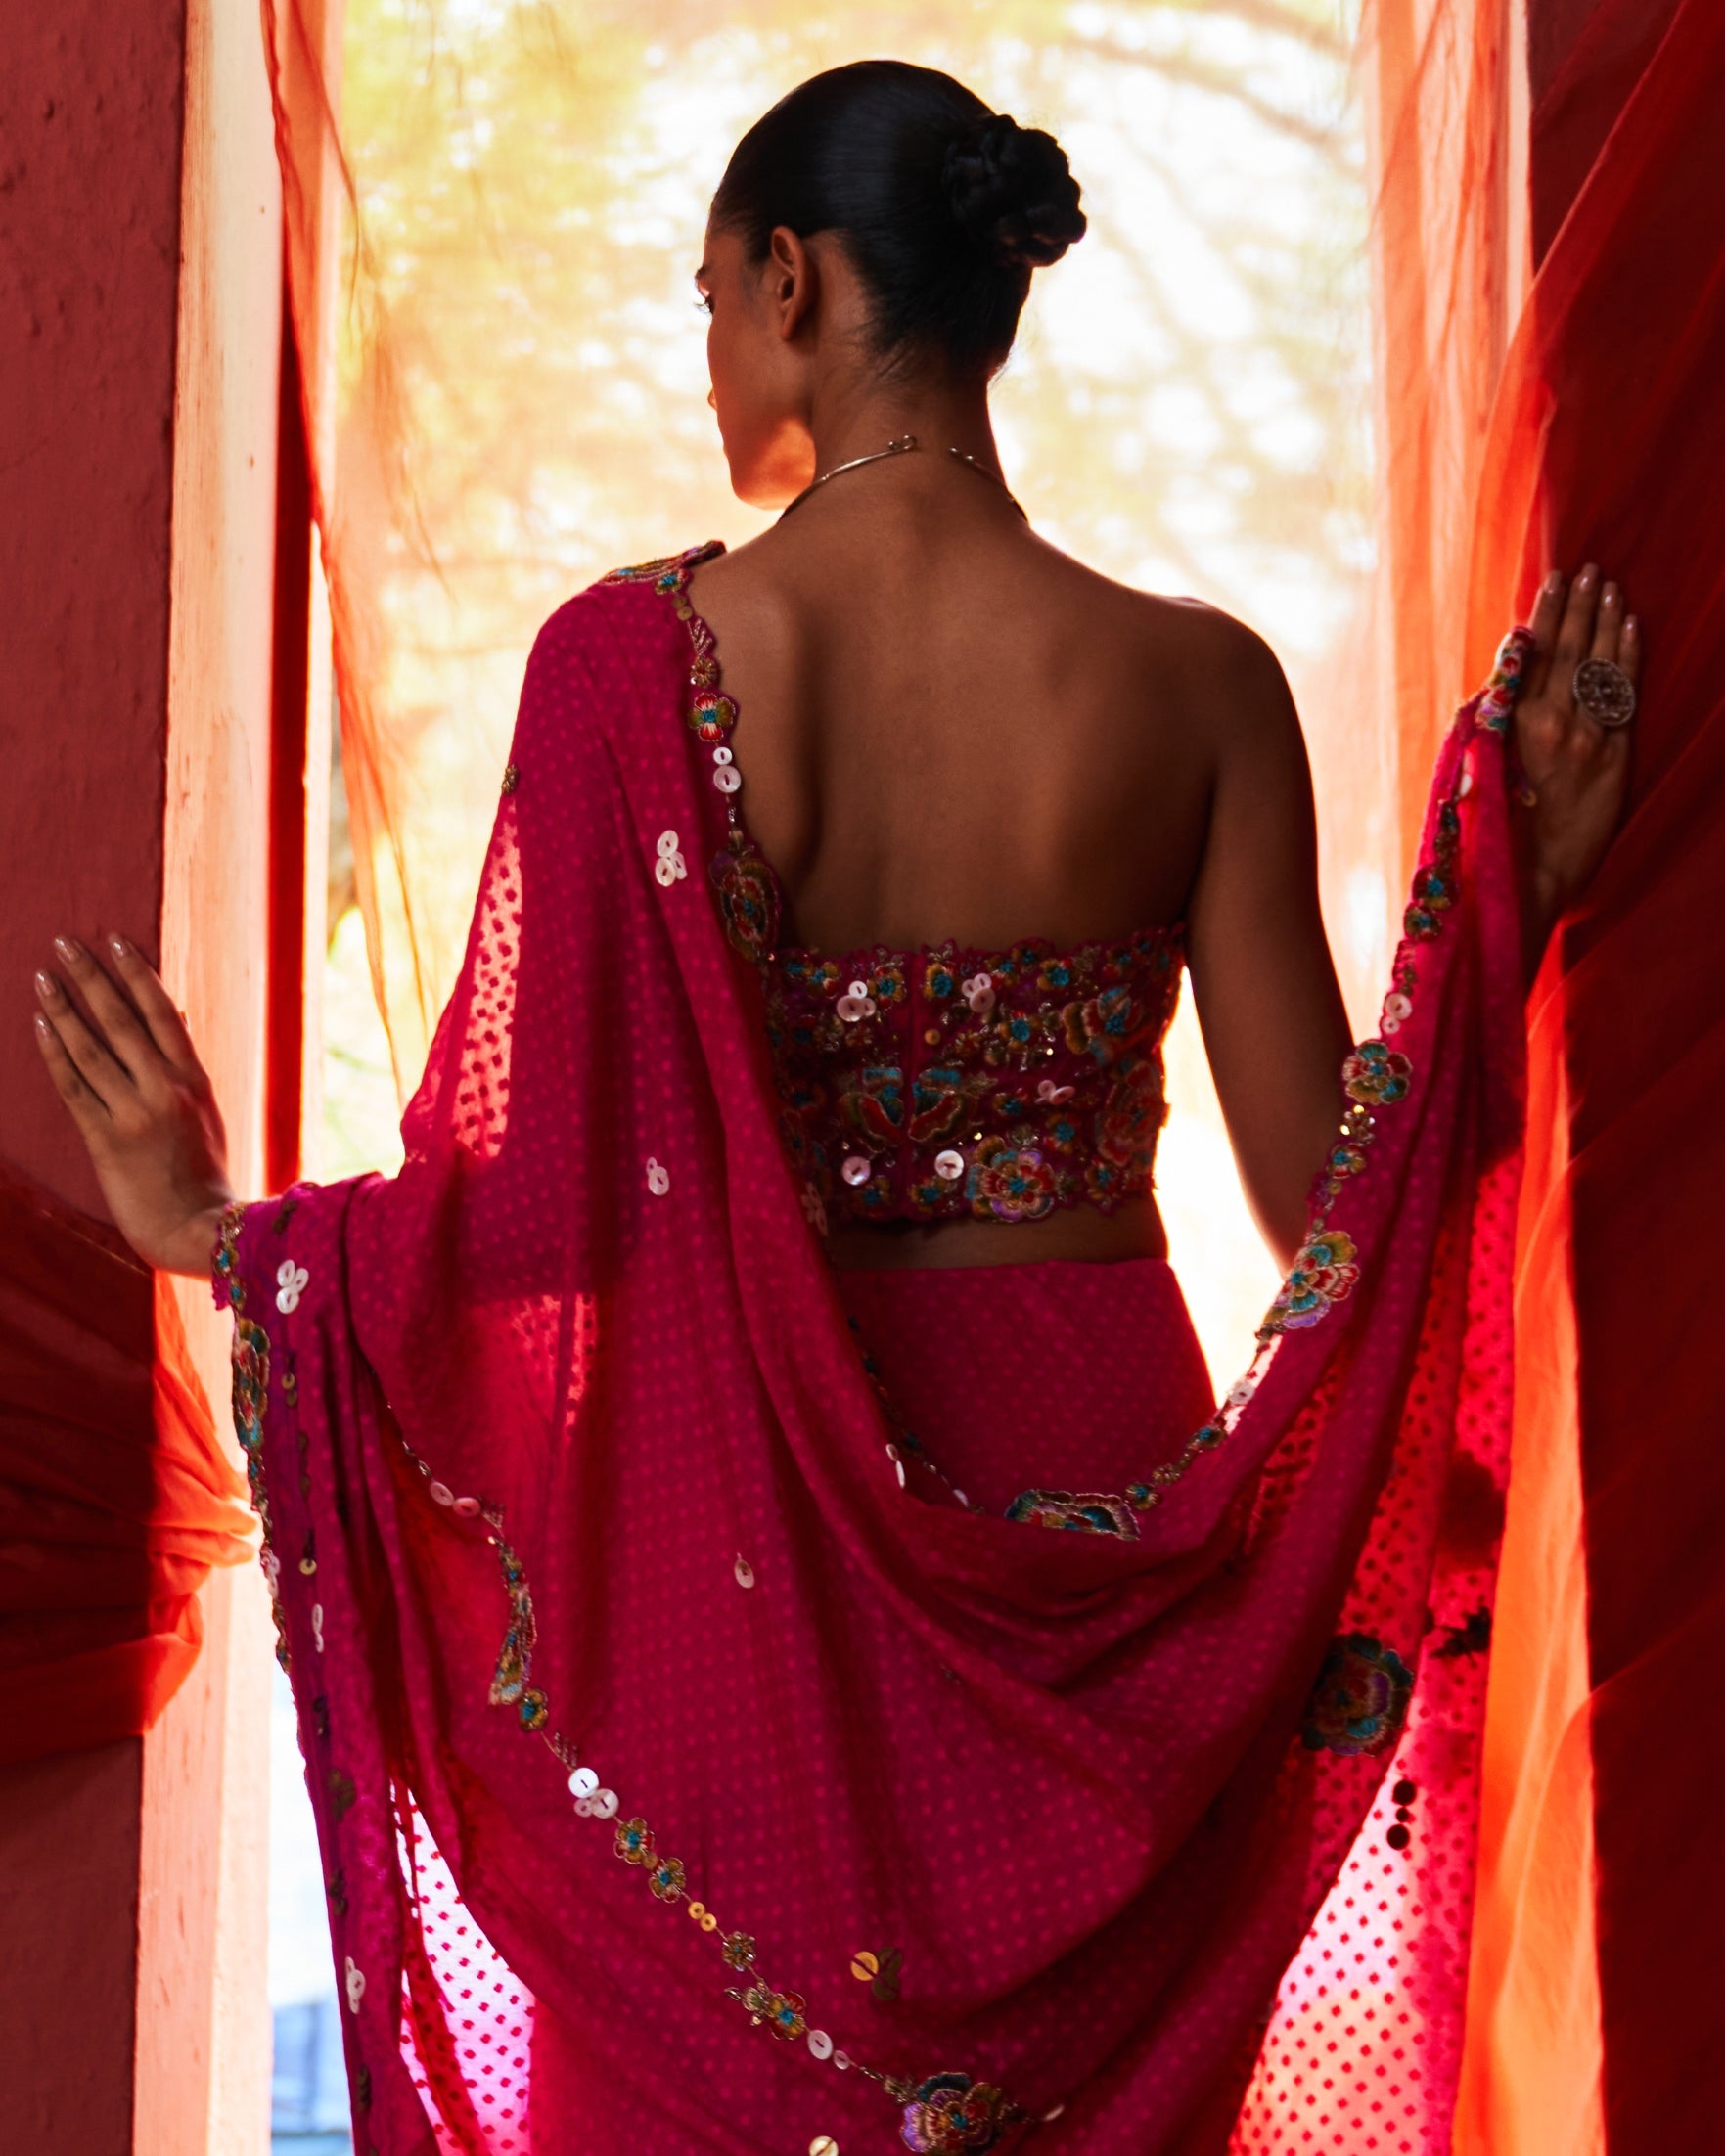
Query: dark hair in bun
[[946, 205]]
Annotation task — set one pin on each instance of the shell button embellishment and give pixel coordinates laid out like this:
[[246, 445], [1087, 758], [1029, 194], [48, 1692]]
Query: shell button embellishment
[[290, 1284], [659, 1179]]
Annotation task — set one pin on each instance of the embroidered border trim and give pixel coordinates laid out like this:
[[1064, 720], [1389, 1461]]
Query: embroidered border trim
[[928, 2104], [251, 1365]]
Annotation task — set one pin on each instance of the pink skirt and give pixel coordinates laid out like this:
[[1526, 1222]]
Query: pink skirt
[[1058, 1375]]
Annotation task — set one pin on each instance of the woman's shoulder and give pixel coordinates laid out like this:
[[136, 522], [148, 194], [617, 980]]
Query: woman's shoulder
[[1218, 669], [602, 610], [1179, 627]]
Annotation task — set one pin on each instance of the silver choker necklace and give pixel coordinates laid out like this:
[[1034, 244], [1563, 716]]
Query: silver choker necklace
[[899, 448]]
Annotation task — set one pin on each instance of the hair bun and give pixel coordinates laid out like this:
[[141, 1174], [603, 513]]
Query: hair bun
[[1013, 192]]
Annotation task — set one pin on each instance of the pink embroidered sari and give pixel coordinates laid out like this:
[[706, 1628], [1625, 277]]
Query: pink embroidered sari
[[690, 1782]]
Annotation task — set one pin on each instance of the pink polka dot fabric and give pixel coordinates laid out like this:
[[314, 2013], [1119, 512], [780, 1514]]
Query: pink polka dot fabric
[[694, 1772]]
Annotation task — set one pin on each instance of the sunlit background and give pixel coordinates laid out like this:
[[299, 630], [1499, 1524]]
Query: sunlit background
[[1189, 408]]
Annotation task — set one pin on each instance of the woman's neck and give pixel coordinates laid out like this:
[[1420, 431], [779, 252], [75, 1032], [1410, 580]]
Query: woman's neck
[[854, 419]]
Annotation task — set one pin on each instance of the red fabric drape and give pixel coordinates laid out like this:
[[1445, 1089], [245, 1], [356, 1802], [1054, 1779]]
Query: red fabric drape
[[116, 1496], [1606, 443]]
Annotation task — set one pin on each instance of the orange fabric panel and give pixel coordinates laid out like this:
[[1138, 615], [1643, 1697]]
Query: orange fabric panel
[[1450, 257], [116, 1496], [1449, 272]]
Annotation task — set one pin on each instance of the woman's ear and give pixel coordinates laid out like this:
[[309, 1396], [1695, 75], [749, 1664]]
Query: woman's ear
[[793, 283]]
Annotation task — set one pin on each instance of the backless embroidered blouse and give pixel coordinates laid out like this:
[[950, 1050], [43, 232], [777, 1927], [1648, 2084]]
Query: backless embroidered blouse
[[943, 1082]]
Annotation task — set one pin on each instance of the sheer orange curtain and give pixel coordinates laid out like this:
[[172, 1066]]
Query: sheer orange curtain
[[1449, 256], [1582, 421]]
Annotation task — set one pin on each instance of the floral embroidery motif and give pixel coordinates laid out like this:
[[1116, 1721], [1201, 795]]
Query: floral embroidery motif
[[509, 1681], [1011, 1183], [1324, 1273], [1093, 1513], [712, 717], [666, 575], [251, 1366], [951, 2115], [1360, 1700], [635, 1844], [1376, 1075], [749, 903], [1497, 701], [1039, 1074], [785, 2013], [667, 1879]]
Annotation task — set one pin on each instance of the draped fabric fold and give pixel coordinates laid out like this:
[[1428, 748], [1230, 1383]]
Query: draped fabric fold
[[116, 1496], [1605, 441], [645, 1708]]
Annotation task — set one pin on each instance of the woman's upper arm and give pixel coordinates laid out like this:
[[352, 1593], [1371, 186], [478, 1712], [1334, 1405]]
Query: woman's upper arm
[[1273, 1025]]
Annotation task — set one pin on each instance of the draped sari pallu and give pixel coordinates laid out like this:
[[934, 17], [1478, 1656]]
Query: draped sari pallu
[[687, 1779]]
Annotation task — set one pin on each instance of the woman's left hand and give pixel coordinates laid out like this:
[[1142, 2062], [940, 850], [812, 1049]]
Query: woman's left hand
[[125, 1067], [1576, 770]]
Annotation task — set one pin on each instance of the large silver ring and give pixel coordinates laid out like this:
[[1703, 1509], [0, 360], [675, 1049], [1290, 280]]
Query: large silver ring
[[1604, 692]]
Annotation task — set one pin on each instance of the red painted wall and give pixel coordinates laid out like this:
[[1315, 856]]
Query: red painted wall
[[90, 196], [139, 346], [90, 100]]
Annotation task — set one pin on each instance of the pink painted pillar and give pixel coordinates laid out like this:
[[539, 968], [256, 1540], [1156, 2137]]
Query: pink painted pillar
[[139, 353]]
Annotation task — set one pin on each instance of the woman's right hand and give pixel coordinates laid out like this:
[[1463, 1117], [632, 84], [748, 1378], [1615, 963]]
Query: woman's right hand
[[142, 1102], [1576, 771]]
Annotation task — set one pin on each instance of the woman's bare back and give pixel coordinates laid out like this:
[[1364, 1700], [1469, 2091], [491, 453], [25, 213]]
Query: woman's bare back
[[948, 729]]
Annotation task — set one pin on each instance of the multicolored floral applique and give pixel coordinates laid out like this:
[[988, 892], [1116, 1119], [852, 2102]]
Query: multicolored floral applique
[[1376, 1075], [509, 1679], [667, 1879], [951, 2115], [748, 902], [1008, 1182], [1322, 1275], [635, 1844], [1497, 701], [785, 2013], [1093, 1513], [1005, 1118], [251, 1356], [1360, 1700]]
